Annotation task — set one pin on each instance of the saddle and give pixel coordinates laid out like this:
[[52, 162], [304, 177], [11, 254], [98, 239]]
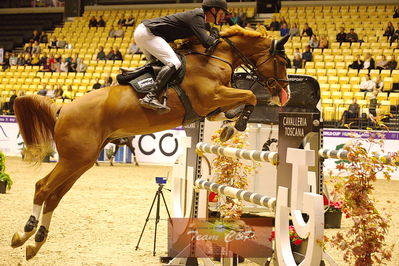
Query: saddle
[[142, 79]]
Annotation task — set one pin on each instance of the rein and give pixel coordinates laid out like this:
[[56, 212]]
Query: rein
[[250, 68]]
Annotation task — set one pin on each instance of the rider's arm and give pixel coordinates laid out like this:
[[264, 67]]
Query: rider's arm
[[198, 27]]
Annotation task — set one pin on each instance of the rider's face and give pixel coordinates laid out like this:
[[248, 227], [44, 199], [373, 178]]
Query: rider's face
[[219, 16]]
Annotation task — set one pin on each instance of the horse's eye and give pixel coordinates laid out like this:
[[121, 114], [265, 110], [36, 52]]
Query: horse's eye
[[282, 63]]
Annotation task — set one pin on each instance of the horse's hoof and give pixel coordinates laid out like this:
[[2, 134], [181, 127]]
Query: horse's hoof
[[31, 251], [227, 133], [241, 125], [18, 239]]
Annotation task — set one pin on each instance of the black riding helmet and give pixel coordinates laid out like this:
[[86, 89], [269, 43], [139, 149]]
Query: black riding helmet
[[208, 4]]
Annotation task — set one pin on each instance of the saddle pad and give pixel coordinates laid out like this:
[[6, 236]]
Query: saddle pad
[[144, 82]]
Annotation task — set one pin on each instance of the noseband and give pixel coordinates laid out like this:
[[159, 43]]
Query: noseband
[[252, 69]]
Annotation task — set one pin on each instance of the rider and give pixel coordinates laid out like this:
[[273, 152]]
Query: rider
[[152, 37]]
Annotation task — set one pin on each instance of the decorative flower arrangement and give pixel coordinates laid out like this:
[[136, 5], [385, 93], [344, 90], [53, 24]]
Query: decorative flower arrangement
[[364, 243], [232, 172], [294, 237], [332, 206]]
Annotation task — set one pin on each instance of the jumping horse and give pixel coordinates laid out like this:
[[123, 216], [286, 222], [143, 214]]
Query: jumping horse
[[82, 128]]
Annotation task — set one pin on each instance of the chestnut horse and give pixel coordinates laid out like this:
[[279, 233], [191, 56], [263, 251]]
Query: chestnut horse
[[81, 129]]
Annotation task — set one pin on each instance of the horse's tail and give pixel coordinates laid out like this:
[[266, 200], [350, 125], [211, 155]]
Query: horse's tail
[[36, 116]]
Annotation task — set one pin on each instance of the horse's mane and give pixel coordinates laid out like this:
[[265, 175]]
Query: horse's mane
[[228, 32], [239, 31]]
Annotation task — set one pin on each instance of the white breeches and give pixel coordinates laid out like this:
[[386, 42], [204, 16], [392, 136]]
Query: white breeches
[[156, 46]]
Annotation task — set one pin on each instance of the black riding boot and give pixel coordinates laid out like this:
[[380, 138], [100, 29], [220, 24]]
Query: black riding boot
[[150, 101]]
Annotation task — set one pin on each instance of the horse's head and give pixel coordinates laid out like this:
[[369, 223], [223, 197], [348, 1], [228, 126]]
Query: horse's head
[[264, 57]]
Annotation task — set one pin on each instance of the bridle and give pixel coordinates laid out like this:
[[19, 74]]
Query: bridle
[[252, 69]]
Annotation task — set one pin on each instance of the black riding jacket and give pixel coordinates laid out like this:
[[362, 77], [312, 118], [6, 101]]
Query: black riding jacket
[[181, 25]]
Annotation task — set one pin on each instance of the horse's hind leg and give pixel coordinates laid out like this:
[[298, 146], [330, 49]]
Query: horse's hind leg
[[31, 225], [50, 204]]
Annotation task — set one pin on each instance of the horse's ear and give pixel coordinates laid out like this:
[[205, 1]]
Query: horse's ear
[[273, 46], [281, 42]]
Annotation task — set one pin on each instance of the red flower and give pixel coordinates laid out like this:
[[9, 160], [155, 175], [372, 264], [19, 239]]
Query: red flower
[[297, 242], [213, 197]]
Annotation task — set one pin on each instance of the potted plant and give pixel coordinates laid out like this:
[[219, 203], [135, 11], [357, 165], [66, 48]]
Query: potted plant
[[5, 180], [333, 213]]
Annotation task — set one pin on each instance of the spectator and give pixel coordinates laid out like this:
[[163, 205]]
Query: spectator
[[274, 25], [43, 37], [28, 48], [297, 62], [284, 30], [288, 65], [21, 60], [357, 64], [323, 43], [97, 85], [297, 52], [382, 64], [282, 21], [81, 66], [133, 48], [392, 64], [28, 59], [43, 91], [294, 30], [53, 43], [47, 66], [118, 54], [373, 103], [130, 21], [43, 59], [243, 17], [73, 65], [111, 33], [58, 92], [93, 22], [314, 42], [396, 12], [111, 54], [55, 67], [68, 94], [379, 84], [352, 112], [119, 33], [389, 30], [50, 92], [369, 62], [341, 36], [122, 21], [101, 22], [101, 54], [307, 31], [107, 81], [13, 59], [64, 65], [36, 49], [352, 36], [62, 44], [8, 107], [307, 55], [35, 36], [395, 35], [367, 85]]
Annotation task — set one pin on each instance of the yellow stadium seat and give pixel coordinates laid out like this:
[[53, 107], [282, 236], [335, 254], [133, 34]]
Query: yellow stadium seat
[[395, 76], [354, 80], [388, 83], [324, 87], [335, 91], [332, 79]]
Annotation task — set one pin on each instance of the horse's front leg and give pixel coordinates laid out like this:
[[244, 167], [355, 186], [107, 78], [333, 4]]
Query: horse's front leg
[[227, 97]]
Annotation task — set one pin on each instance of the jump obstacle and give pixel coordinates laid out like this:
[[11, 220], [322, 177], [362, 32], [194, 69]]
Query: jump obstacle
[[301, 201]]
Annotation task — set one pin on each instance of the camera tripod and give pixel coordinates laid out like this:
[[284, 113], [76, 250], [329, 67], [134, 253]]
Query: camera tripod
[[158, 195]]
